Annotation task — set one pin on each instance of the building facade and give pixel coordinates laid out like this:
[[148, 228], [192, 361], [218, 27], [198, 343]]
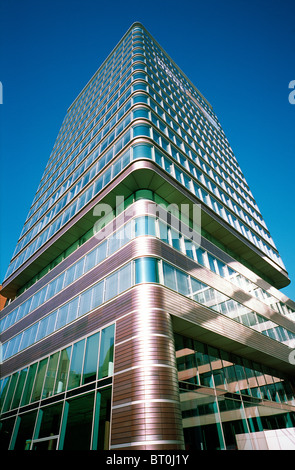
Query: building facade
[[143, 307]]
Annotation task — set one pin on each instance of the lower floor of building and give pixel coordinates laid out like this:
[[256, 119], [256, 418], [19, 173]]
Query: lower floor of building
[[65, 401]]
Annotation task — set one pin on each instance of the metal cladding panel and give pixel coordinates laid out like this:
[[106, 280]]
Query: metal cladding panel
[[146, 408]]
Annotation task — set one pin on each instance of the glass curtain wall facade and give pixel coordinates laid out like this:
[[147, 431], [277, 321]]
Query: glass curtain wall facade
[[123, 318]]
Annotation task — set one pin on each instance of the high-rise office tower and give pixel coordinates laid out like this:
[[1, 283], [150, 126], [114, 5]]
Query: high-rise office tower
[[143, 307]]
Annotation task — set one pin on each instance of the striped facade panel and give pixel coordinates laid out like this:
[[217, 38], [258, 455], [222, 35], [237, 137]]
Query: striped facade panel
[[146, 409]]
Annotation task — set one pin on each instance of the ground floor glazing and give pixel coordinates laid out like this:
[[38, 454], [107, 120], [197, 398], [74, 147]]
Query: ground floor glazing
[[64, 401]]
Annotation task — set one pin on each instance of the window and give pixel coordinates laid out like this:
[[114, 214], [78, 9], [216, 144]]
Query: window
[[169, 276], [91, 355], [182, 283], [106, 352], [36, 393], [28, 385], [79, 423], [50, 376], [75, 371], [111, 286], [146, 270], [85, 302], [62, 373]]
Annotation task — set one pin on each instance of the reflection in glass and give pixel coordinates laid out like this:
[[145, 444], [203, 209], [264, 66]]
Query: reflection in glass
[[76, 364], [106, 352], [79, 423], [50, 375], [62, 374], [36, 394], [224, 396], [29, 384], [91, 355]]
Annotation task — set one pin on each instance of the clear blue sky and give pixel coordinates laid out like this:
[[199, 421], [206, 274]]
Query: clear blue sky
[[239, 54]]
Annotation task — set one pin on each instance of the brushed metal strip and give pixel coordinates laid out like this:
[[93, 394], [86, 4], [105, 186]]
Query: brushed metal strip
[[152, 400], [145, 443], [140, 336], [140, 368]]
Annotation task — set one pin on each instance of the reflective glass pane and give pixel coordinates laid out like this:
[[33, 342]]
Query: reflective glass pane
[[125, 277], [19, 388], [101, 434], [85, 302], [97, 295], [50, 421], [10, 392], [36, 393], [146, 270], [72, 310], [25, 430], [182, 283], [63, 369], [169, 276], [90, 260], [111, 286], [91, 359], [62, 316], [29, 384], [79, 423], [76, 364], [106, 352], [50, 376]]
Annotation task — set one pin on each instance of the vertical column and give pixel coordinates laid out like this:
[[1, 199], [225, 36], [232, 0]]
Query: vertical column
[[146, 409]]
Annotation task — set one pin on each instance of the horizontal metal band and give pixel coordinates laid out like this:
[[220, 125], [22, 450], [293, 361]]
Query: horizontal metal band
[[152, 400], [144, 335], [140, 366], [144, 443]]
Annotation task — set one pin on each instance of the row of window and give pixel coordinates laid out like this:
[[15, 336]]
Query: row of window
[[139, 226], [168, 147], [224, 396], [204, 168], [72, 172], [81, 422], [188, 120], [217, 136], [144, 225], [192, 131], [22, 243], [138, 271], [90, 299], [95, 91], [103, 112], [98, 92], [194, 122], [85, 361], [187, 181], [200, 364], [194, 140], [98, 82], [208, 296], [82, 200]]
